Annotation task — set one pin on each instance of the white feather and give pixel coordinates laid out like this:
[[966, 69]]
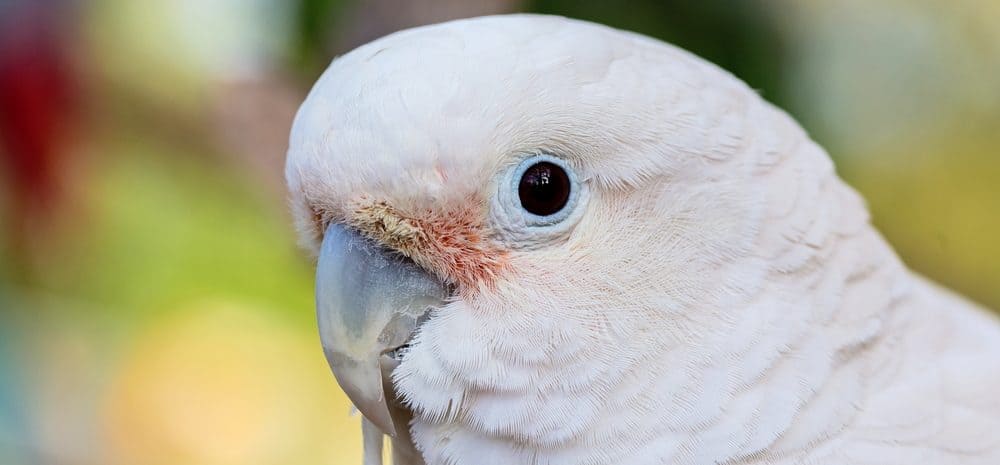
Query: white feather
[[722, 297]]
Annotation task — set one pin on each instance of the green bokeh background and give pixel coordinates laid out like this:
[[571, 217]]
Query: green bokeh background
[[162, 312]]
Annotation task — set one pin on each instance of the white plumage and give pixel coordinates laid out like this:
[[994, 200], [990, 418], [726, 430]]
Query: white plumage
[[718, 295]]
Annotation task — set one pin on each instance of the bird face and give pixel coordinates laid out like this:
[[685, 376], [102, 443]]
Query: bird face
[[523, 222]]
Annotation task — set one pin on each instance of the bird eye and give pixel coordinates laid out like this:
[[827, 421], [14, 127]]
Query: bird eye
[[544, 188], [537, 200]]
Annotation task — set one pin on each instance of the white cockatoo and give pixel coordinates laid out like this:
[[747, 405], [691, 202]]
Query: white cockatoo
[[544, 241]]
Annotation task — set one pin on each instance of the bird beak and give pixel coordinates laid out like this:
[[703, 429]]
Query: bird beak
[[369, 303]]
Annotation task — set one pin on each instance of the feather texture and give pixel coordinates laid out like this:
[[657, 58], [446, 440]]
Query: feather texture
[[721, 297]]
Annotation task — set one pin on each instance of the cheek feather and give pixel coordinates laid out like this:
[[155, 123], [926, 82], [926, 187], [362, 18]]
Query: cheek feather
[[451, 243]]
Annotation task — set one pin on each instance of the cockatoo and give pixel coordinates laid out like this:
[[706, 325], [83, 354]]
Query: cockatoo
[[545, 241]]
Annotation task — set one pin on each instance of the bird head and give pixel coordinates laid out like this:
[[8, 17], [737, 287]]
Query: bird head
[[526, 223]]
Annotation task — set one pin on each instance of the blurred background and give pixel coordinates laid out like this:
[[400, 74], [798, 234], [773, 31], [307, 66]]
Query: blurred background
[[154, 308]]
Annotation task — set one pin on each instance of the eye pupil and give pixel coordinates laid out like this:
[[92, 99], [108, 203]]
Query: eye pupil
[[544, 188]]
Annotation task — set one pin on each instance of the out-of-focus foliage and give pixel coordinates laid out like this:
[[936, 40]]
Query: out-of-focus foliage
[[315, 34], [938, 202], [164, 226], [160, 312], [742, 36]]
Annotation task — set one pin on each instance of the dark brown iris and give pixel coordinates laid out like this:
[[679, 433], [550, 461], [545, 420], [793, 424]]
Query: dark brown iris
[[544, 189]]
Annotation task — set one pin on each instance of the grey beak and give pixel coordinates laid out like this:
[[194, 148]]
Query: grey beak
[[369, 302]]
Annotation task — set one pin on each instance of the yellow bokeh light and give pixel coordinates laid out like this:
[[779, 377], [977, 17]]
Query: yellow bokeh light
[[220, 384]]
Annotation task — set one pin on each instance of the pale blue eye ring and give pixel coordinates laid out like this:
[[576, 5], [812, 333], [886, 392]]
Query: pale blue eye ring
[[519, 227]]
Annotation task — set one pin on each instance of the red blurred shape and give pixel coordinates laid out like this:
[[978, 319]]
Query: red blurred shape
[[36, 103]]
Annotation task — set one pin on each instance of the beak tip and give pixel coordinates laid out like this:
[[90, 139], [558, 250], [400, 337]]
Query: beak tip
[[365, 388], [385, 424]]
